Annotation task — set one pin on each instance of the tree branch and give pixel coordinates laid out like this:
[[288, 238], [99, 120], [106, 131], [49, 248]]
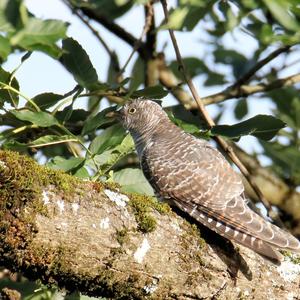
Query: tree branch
[[87, 235], [147, 26], [246, 90], [170, 81], [260, 65]]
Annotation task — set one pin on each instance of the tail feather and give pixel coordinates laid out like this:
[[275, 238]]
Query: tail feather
[[239, 223], [238, 216], [257, 245], [246, 220]]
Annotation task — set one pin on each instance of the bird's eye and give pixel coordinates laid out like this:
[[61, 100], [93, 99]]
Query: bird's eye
[[132, 110]]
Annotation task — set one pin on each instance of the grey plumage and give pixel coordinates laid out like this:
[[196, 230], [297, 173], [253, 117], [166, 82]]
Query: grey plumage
[[194, 176]]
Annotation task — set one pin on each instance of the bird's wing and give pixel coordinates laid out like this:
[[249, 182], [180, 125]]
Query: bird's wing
[[189, 171], [200, 181]]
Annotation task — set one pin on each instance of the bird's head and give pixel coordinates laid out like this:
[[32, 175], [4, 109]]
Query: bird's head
[[139, 116]]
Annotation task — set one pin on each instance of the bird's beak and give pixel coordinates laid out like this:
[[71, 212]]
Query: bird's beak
[[116, 114], [113, 114]]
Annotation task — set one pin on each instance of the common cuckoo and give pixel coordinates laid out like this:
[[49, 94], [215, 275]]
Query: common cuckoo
[[194, 176]]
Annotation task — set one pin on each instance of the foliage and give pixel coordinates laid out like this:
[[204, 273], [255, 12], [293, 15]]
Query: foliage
[[89, 144]]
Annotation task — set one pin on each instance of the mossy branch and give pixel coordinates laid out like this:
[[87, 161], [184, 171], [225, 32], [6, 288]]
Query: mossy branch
[[103, 242]]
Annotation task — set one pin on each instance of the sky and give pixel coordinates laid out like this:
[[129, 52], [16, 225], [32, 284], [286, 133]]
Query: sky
[[41, 73]]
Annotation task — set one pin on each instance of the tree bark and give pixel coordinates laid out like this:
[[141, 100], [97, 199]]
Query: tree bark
[[96, 239]]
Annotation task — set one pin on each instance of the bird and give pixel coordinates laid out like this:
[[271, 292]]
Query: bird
[[192, 175]]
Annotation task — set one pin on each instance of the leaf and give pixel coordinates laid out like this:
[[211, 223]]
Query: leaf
[[6, 95], [214, 78], [12, 12], [176, 18], [98, 120], [187, 15], [280, 9], [152, 92], [194, 66], [286, 160], [137, 74], [241, 109], [48, 140], [14, 145], [39, 118], [109, 158], [113, 69], [40, 35], [263, 127], [111, 8], [133, 181], [82, 173], [108, 139], [67, 165], [46, 100], [74, 116], [78, 63], [5, 47]]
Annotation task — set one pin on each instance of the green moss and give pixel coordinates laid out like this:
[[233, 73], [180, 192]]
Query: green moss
[[294, 259], [122, 236], [142, 206], [22, 180]]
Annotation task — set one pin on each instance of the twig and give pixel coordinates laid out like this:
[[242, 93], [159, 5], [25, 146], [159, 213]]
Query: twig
[[147, 26], [228, 150], [246, 90], [170, 81], [119, 31], [260, 64]]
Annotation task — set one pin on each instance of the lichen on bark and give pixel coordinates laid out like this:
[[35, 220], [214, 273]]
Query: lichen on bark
[[91, 236]]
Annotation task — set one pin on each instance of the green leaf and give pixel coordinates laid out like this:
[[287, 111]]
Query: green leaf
[[12, 12], [78, 63], [67, 165], [5, 47], [133, 181], [39, 118], [152, 92], [109, 158], [49, 140], [108, 139], [6, 95], [261, 126], [5, 24], [286, 160], [280, 9], [98, 120], [194, 66], [46, 100], [81, 173], [214, 78], [177, 18], [113, 69], [40, 35], [241, 109], [75, 116], [12, 144], [188, 14], [111, 8], [137, 74]]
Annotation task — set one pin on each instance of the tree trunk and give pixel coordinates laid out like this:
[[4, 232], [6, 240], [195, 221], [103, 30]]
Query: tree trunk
[[96, 239]]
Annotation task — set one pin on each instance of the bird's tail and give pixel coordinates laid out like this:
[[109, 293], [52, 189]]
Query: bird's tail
[[263, 248], [239, 223]]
